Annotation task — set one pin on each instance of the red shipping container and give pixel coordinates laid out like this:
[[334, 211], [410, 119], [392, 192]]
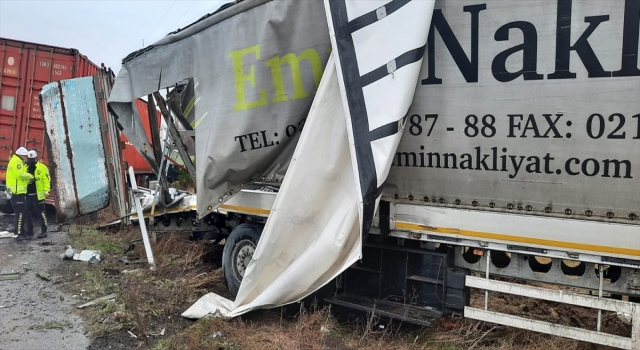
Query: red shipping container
[[129, 153], [24, 69]]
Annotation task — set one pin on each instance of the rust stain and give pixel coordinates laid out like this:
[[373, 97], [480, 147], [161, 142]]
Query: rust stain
[[69, 151]]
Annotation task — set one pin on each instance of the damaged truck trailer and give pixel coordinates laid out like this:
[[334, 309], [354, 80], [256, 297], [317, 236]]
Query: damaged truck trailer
[[493, 139]]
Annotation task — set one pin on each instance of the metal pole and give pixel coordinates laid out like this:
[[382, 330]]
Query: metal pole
[[601, 269], [143, 226], [486, 292]]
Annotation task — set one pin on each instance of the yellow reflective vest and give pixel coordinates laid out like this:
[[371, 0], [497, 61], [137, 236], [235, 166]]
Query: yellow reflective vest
[[43, 182], [17, 176]]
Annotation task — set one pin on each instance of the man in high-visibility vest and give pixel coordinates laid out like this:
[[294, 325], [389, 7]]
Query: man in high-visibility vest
[[17, 181], [37, 190]]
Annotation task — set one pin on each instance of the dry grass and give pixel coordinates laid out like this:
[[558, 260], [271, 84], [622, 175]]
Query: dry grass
[[149, 301], [310, 330]]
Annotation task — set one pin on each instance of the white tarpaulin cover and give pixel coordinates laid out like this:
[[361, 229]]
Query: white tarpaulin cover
[[334, 181]]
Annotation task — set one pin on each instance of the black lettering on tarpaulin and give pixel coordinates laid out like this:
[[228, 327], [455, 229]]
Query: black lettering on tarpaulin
[[513, 125], [531, 125], [239, 139], [567, 166], [431, 155], [547, 164], [516, 165], [481, 161], [534, 165], [468, 66], [264, 139], [616, 168], [467, 161], [529, 49], [494, 150], [253, 139], [552, 126], [630, 34], [503, 158], [454, 161], [595, 169], [581, 46], [406, 155]]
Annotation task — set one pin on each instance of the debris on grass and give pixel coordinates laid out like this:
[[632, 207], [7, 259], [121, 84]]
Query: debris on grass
[[96, 301], [68, 254], [91, 256]]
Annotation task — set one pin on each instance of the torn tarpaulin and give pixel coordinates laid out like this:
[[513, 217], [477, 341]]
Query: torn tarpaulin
[[350, 137]]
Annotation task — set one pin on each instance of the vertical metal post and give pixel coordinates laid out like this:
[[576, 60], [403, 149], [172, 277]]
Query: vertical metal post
[[601, 269], [143, 226], [486, 292], [635, 326]]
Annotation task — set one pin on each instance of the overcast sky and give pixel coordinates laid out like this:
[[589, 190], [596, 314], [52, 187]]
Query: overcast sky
[[104, 31]]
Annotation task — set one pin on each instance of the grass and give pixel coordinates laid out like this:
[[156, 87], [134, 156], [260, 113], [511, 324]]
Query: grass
[[149, 301], [89, 238]]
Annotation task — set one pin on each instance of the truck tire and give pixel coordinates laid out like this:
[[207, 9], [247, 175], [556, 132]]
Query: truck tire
[[238, 251]]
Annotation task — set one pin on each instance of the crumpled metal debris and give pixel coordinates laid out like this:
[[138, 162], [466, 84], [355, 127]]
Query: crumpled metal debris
[[91, 256]]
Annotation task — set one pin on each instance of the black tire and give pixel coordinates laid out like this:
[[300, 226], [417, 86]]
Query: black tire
[[7, 208], [237, 253]]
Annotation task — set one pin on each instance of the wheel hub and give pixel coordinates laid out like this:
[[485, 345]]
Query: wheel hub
[[243, 252]]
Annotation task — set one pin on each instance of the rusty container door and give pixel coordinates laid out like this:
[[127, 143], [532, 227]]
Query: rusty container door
[[78, 158]]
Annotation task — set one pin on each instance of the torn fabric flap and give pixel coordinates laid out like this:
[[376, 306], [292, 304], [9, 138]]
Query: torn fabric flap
[[379, 47], [327, 201]]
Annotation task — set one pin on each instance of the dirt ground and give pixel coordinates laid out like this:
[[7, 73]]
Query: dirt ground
[[35, 313], [145, 313]]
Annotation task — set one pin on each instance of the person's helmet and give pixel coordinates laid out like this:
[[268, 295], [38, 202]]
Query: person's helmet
[[22, 151], [33, 154]]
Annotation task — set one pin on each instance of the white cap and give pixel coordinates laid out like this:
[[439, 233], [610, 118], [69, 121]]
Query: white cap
[[33, 154], [22, 151]]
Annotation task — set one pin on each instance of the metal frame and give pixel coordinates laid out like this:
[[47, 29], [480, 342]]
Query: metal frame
[[559, 297], [628, 283], [542, 236]]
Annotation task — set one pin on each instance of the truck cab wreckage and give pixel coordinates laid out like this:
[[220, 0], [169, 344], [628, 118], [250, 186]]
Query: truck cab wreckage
[[428, 147]]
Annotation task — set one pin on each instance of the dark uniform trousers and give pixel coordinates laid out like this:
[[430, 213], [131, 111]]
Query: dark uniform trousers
[[19, 206], [34, 206]]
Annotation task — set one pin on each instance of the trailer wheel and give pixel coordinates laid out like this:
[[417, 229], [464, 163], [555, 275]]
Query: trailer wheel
[[238, 251]]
